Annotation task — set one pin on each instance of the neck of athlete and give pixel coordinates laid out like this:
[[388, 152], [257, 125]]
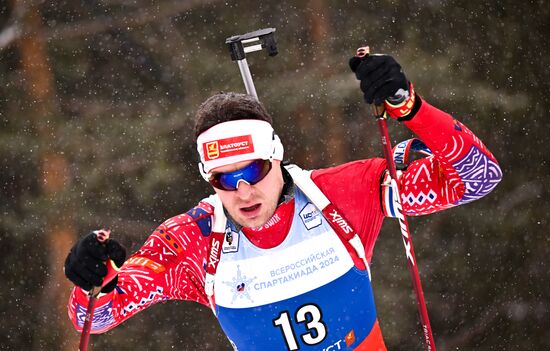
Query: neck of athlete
[[274, 231]]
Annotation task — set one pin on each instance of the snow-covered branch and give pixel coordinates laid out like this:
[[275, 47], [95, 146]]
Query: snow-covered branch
[[8, 35]]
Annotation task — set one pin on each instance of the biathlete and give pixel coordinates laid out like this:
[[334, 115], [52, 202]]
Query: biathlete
[[275, 270]]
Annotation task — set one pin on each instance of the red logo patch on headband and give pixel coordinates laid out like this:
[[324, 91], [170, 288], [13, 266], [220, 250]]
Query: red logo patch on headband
[[228, 147]]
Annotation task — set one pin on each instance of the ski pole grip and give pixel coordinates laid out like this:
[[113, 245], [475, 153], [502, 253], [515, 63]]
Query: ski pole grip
[[102, 235], [378, 110]]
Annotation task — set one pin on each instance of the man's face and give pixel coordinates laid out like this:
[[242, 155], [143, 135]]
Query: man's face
[[252, 205]]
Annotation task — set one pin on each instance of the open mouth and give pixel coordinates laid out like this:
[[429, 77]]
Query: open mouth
[[250, 208]]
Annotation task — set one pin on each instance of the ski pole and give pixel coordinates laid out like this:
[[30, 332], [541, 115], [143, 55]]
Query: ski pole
[[240, 45], [378, 111], [102, 237]]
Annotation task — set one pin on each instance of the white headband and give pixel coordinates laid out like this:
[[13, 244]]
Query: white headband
[[236, 141]]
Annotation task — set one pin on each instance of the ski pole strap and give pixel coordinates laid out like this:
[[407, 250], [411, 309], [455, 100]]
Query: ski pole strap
[[112, 272], [401, 154]]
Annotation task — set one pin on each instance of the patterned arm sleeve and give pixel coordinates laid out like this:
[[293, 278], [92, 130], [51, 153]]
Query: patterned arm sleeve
[[460, 170], [169, 266]]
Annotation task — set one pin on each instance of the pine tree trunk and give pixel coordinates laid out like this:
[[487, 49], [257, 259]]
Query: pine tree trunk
[[53, 326], [320, 32]]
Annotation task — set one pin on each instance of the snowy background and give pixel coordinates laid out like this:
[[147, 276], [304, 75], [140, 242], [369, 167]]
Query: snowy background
[[96, 106]]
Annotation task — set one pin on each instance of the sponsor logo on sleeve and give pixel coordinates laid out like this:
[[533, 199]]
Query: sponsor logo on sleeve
[[145, 262]]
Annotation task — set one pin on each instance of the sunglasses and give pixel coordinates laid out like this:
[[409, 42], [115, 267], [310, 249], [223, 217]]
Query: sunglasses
[[251, 174]]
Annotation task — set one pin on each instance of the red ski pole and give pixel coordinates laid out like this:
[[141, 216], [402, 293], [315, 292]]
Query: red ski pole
[[378, 111], [112, 270]]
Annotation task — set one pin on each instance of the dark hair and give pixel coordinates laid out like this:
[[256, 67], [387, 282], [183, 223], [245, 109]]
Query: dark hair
[[224, 107]]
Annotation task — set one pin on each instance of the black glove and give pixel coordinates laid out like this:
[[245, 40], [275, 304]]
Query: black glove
[[381, 78], [380, 75], [85, 264]]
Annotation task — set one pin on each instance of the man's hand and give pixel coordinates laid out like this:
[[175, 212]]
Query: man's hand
[[381, 79], [85, 264]]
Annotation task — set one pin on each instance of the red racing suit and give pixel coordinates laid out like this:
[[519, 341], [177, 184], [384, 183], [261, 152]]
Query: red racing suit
[[171, 263]]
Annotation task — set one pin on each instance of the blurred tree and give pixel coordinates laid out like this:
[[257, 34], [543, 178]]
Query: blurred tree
[[58, 228], [336, 145]]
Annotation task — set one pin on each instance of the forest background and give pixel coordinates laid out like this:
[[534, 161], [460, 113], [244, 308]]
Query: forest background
[[96, 107]]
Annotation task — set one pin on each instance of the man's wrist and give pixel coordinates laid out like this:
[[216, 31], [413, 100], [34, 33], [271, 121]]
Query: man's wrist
[[406, 109], [416, 107]]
